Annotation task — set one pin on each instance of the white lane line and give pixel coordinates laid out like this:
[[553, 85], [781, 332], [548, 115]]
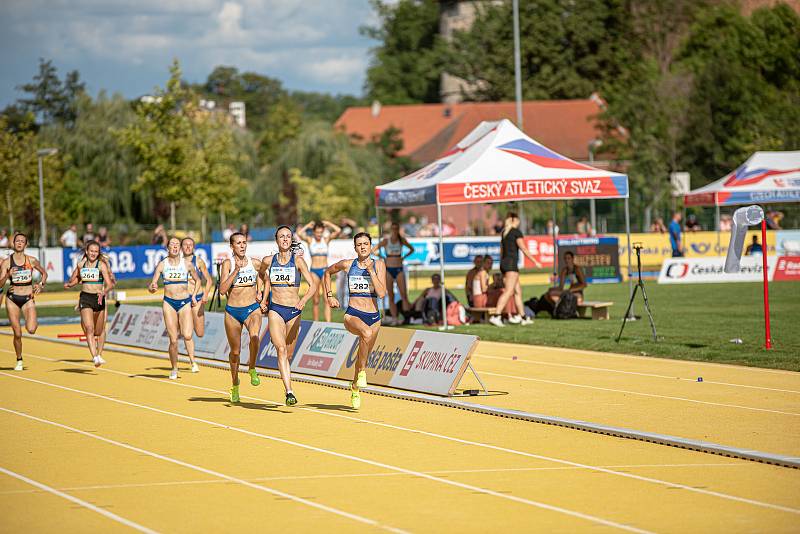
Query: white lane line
[[654, 395], [651, 375], [359, 475], [80, 502], [276, 439], [657, 481], [217, 474]]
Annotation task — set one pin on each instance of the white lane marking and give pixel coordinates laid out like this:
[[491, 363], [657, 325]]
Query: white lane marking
[[654, 395], [80, 502], [217, 474], [468, 442], [651, 375], [359, 475], [374, 463]]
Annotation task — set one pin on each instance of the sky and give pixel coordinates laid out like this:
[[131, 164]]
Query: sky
[[126, 46]]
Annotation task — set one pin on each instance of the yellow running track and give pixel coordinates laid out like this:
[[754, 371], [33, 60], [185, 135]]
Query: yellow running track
[[122, 447]]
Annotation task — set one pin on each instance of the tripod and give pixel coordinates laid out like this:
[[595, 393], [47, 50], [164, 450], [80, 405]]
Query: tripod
[[639, 285], [215, 294]]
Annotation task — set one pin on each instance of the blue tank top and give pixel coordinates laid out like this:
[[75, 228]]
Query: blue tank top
[[359, 282], [199, 272], [287, 275]]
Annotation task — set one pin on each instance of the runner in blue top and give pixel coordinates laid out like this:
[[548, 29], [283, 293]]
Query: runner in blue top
[[282, 302], [318, 245], [178, 301], [366, 282], [198, 312], [238, 280]]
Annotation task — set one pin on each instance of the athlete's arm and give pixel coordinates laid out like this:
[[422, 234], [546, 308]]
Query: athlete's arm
[[73, 279], [376, 248], [209, 279], [312, 282], [4, 267], [265, 262], [524, 249], [562, 279], [38, 288], [226, 276], [581, 285], [378, 275], [301, 232], [405, 241], [333, 302], [335, 230], [108, 280], [153, 287], [193, 273]]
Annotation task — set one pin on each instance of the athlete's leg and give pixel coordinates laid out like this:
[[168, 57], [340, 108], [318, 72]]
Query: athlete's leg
[[316, 299], [87, 324], [326, 309], [171, 322], [186, 327], [233, 331], [292, 331], [367, 335], [100, 319], [13, 317], [253, 324], [518, 298], [199, 319], [401, 285], [510, 279], [31, 318], [278, 334]]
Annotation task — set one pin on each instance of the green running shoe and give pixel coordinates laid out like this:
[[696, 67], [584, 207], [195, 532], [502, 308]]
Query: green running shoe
[[254, 380], [234, 393], [291, 400], [355, 398], [361, 380]]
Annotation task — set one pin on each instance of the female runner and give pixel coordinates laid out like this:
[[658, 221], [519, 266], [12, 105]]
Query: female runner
[[282, 303], [199, 311], [177, 316], [318, 247], [19, 301], [393, 245], [366, 281], [238, 279], [94, 275]]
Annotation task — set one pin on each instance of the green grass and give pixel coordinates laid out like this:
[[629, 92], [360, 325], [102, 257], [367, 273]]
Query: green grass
[[694, 322]]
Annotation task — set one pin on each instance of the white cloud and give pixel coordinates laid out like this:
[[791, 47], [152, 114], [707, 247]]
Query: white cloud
[[337, 70]]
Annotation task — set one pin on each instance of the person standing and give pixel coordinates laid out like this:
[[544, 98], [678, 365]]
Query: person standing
[[88, 235], [69, 239], [675, 235], [393, 245], [318, 245], [103, 238]]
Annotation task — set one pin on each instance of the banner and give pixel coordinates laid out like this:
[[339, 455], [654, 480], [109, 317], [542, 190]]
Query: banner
[[541, 248], [657, 248], [536, 189], [386, 354], [324, 349], [597, 256], [787, 268], [710, 270], [434, 362], [787, 242], [129, 262]]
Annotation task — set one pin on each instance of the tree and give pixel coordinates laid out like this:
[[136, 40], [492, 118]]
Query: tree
[[51, 99], [407, 64]]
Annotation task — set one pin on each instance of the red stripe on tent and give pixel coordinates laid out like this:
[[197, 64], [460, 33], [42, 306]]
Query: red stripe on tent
[[550, 163], [542, 189]]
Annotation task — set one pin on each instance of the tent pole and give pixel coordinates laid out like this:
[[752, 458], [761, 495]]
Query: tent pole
[[716, 207], [441, 265], [517, 68], [555, 244], [381, 308], [630, 268]]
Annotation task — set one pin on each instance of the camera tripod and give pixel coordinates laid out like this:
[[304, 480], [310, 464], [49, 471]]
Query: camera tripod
[[215, 294], [639, 285]]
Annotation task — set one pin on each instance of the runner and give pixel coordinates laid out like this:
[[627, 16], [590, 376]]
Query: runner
[[198, 312], [176, 272], [19, 300], [95, 276], [393, 246], [318, 247], [282, 303], [238, 279], [511, 243], [366, 281]]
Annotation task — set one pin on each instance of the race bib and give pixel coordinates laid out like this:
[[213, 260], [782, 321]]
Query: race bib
[[21, 276], [360, 284], [90, 274], [282, 275], [246, 279], [174, 276]]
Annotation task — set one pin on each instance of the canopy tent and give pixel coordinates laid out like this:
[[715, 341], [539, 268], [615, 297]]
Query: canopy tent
[[497, 162], [766, 177]]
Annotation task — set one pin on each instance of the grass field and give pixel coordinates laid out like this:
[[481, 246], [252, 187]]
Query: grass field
[[694, 322]]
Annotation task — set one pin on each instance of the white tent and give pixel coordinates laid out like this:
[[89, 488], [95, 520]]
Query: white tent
[[497, 162]]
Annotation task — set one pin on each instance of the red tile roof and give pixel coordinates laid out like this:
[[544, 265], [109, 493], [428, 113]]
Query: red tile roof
[[428, 130]]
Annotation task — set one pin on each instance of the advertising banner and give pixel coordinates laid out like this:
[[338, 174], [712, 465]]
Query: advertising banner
[[541, 248], [129, 262], [434, 362], [787, 268], [787, 242], [382, 362], [324, 349], [597, 256], [537, 189], [657, 248], [705, 270]]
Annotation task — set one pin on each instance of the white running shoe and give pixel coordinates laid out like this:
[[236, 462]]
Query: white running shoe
[[18, 367], [195, 368], [515, 319], [99, 361], [497, 321], [526, 321], [173, 375]]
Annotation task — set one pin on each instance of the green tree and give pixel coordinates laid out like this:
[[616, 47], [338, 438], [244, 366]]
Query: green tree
[[51, 99], [407, 64]]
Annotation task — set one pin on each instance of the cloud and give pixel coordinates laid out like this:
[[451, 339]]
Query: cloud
[[337, 70]]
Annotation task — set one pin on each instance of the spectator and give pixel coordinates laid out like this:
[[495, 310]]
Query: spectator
[[480, 283], [428, 305], [478, 265], [754, 248], [159, 236], [675, 235], [3, 238], [102, 237], [551, 226], [411, 228], [449, 228], [774, 220], [658, 226], [88, 235], [245, 230], [348, 227], [69, 239], [725, 223], [372, 228], [692, 225], [570, 274], [584, 227], [228, 232]]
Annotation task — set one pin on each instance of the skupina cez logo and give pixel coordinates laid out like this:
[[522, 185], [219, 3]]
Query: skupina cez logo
[[677, 270]]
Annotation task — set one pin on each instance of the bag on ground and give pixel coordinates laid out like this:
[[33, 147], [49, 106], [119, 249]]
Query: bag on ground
[[567, 306]]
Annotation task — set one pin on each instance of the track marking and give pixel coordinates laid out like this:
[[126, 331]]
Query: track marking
[[80, 502], [652, 375], [667, 483], [217, 474], [654, 395], [355, 475], [374, 463]]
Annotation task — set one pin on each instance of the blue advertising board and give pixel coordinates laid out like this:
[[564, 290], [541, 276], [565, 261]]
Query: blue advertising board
[[458, 252], [597, 256], [130, 262]]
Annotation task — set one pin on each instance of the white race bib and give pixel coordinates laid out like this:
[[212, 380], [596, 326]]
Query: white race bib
[[21, 276], [360, 284], [247, 278], [90, 274], [175, 275], [282, 275]]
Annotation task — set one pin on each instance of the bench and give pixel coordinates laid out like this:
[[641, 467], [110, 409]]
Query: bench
[[599, 309], [480, 315]]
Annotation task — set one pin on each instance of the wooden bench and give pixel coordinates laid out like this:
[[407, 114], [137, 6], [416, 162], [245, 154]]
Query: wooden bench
[[480, 315], [599, 309]]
